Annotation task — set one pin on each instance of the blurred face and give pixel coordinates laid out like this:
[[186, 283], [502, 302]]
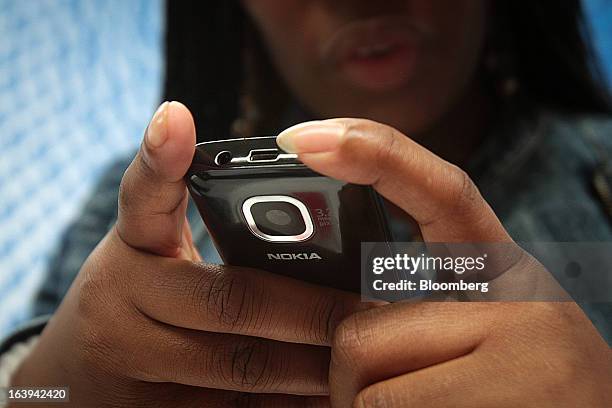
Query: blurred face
[[406, 63]]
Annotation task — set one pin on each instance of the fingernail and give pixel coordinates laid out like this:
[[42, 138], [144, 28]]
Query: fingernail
[[157, 132], [311, 137]]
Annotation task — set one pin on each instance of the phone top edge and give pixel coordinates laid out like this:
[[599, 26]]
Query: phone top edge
[[236, 139], [270, 166], [243, 152]]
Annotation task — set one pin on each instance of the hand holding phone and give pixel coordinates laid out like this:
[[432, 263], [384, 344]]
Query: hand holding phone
[[146, 323]]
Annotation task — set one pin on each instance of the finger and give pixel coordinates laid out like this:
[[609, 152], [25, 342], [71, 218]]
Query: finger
[[235, 300], [438, 195], [178, 395], [414, 336], [168, 354], [463, 382], [153, 196], [521, 363]]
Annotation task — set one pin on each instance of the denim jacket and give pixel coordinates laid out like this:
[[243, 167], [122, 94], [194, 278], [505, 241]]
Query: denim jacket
[[537, 177]]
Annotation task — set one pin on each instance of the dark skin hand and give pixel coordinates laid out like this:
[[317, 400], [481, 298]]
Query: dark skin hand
[[147, 324], [536, 354]]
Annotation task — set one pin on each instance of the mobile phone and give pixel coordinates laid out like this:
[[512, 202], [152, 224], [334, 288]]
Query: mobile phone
[[264, 209]]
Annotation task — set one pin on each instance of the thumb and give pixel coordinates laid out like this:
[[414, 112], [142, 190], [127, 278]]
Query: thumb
[[153, 197]]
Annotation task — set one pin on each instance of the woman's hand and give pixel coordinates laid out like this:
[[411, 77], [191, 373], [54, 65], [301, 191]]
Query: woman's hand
[[146, 324], [435, 354], [448, 354]]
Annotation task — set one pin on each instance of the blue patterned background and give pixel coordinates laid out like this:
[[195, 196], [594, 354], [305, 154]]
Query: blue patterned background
[[78, 82]]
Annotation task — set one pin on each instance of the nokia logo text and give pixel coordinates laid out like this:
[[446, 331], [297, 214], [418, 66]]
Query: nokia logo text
[[290, 257]]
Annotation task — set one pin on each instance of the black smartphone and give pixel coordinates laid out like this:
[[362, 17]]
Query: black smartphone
[[265, 209]]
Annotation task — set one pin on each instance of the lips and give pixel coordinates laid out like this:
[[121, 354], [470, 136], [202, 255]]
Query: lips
[[373, 51], [375, 54]]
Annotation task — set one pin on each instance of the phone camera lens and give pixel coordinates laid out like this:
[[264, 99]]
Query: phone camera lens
[[278, 218], [223, 158]]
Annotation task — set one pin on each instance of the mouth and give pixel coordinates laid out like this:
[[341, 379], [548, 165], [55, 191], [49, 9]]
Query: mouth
[[376, 54]]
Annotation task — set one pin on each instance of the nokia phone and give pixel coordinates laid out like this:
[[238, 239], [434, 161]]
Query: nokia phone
[[264, 209]]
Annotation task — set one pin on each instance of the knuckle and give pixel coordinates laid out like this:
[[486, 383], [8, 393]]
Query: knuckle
[[138, 172], [384, 151], [229, 299], [327, 314], [251, 366], [466, 192], [376, 153], [460, 196], [352, 136], [386, 146], [351, 340]]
